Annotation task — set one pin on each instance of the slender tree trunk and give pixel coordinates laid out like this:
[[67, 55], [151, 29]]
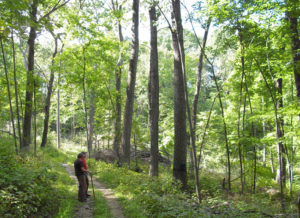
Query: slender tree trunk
[[292, 149], [58, 113], [127, 121], [58, 135], [279, 131], [281, 172], [34, 115], [205, 130], [239, 116], [180, 138], [292, 17], [9, 97], [153, 93], [264, 133], [199, 76], [118, 77], [91, 122], [272, 161], [16, 89], [225, 130], [197, 92], [49, 94], [253, 134], [85, 103], [29, 86]]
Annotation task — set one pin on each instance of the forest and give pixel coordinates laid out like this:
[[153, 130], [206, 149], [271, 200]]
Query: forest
[[186, 108]]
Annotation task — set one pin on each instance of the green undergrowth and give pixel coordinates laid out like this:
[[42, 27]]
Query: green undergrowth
[[101, 209], [143, 196], [35, 186]]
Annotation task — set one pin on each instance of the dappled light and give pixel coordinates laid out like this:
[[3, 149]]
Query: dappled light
[[148, 108]]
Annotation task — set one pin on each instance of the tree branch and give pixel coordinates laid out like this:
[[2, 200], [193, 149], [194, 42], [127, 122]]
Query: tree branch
[[55, 8]]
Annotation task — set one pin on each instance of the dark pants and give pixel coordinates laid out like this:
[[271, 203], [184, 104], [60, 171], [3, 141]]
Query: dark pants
[[82, 188], [87, 181]]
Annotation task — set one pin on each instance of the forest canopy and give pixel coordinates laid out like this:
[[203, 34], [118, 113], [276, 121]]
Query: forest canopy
[[198, 87]]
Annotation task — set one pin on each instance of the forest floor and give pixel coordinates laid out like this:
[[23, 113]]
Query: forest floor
[[87, 208]]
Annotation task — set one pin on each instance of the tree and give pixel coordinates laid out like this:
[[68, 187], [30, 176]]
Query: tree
[[127, 120], [292, 14], [9, 95], [153, 92], [49, 94], [180, 140], [30, 71], [34, 22], [118, 75]]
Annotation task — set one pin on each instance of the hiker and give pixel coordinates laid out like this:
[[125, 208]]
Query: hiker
[[85, 173], [79, 172]]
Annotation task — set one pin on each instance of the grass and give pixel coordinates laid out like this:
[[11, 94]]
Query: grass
[[101, 209]]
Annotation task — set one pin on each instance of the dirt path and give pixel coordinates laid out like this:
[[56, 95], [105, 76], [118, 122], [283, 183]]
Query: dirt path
[[86, 210]]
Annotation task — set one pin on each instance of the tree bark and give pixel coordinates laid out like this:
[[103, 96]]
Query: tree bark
[[85, 102], [281, 172], [292, 17], [58, 113], [30, 80], [49, 94], [9, 97], [239, 113], [58, 135], [34, 116], [127, 121], [180, 138], [91, 122], [16, 89], [153, 93], [264, 133], [118, 77]]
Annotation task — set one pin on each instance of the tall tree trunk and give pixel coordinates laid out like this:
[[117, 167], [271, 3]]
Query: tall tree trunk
[[239, 113], [253, 134], [29, 85], [292, 17], [34, 116], [279, 128], [85, 102], [199, 76], [16, 88], [91, 122], [281, 171], [127, 121], [153, 93], [225, 130], [49, 94], [58, 113], [58, 104], [180, 138], [264, 133], [118, 77], [196, 98], [9, 96]]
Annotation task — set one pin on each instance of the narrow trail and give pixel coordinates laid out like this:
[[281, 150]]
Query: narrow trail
[[87, 208]]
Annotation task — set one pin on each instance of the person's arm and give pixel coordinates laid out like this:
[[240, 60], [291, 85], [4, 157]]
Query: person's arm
[[84, 170]]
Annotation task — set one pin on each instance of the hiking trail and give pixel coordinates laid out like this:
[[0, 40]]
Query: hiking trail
[[87, 208]]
